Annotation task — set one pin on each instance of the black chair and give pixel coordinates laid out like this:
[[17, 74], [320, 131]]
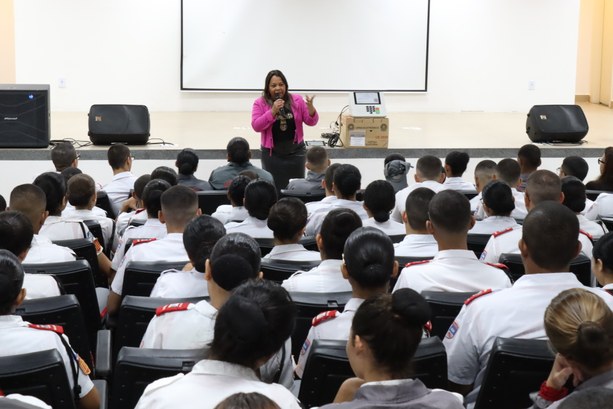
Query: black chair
[[103, 202], [96, 229], [137, 223], [134, 316], [397, 238], [278, 270], [140, 276], [84, 249], [210, 200], [593, 194], [309, 306], [309, 243], [136, 368], [516, 367], [327, 367], [75, 278], [266, 245], [608, 223], [445, 307], [477, 242], [469, 193], [306, 197], [580, 266]]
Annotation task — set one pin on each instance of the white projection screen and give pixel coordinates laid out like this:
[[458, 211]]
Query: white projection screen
[[320, 45]]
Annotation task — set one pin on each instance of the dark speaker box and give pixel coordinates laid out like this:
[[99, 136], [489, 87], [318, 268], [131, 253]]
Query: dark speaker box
[[556, 123], [24, 116], [119, 124]]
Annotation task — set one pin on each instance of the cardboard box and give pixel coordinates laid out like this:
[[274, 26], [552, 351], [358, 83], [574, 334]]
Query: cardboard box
[[358, 132]]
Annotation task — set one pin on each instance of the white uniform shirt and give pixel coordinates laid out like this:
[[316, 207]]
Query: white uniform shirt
[[17, 338], [180, 284], [389, 227], [118, 189], [602, 207], [152, 229], [125, 218], [312, 207], [169, 248], [70, 209], [518, 213], [209, 383], [42, 250], [40, 286], [325, 278], [106, 224], [256, 228], [57, 228], [453, 271], [228, 213], [292, 252], [591, 227], [475, 203], [317, 217], [30, 400], [334, 328], [457, 183], [516, 312], [416, 245], [507, 242], [401, 196], [492, 224]]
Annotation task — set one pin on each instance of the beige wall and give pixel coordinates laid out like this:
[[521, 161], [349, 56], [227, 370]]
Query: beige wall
[[7, 42]]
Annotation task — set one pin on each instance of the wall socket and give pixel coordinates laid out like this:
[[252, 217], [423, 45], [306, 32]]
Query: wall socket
[[531, 85]]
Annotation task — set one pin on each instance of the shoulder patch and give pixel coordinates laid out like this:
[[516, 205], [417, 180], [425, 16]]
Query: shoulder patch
[[452, 330], [416, 263], [180, 306], [475, 296], [55, 328], [610, 291], [498, 265], [141, 241], [501, 232], [589, 236], [137, 211], [324, 316]]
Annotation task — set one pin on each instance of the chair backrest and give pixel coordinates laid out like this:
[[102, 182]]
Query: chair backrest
[[309, 306], [137, 223], [62, 310], [76, 278], [136, 368], [96, 229], [469, 193], [39, 374], [84, 249], [266, 245], [309, 243], [306, 197], [140, 276], [327, 367], [134, 316], [477, 242], [278, 270], [516, 367], [397, 238], [445, 307], [210, 200], [103, 202], [593, 194], [579, 266]]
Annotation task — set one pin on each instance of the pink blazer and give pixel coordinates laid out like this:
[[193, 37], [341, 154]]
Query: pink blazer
[[262, 119]]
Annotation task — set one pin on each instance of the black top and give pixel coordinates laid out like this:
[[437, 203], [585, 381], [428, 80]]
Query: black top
[[283, 133]]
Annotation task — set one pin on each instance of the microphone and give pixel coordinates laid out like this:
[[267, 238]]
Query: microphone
[[282, 109]]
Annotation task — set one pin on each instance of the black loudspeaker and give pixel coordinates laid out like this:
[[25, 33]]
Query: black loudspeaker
[[119, 123], [24, 116], [556, 123]]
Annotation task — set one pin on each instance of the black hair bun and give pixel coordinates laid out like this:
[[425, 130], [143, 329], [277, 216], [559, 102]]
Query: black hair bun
[[411, 307], [248, 322]]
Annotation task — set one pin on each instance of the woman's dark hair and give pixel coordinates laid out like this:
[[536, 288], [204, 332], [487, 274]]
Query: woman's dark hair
[[11, 281], [287, 218], [152, 196], [253, 324], [187, 162], [574, 193], [336, 227], [260, 195], [199, 237], [603, 250], [369, 257], [392, 326], [54, 186], [253, 400], [380, 199], [236, 190], [606, 176], [498, 196], [165, 173], [271, 98]]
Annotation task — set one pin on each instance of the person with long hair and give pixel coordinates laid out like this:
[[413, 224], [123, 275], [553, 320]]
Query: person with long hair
[[579, 325], [605, 180], [278, 115]]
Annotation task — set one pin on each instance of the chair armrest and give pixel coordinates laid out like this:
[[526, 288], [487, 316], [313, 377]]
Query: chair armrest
[[103, 354], [102, 387]]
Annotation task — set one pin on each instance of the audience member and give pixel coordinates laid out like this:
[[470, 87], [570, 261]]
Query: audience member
[[454, 267], [2, 203], [379, 201], [498, 205], [235, 211], [316, 163], [605, 180], [602, 265], [574, 166], [330, 197], [418, 242], [251, 400], [260, 196], [590, 398], [64, 155], [508, 171], [238, 155], [118, 189], [575, 198], [455, 166], [529, 159], [133, 208], [187, 163], [485, 171], [165, 173], [395, 170]]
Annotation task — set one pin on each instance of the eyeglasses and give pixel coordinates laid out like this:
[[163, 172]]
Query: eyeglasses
[[601, 162]]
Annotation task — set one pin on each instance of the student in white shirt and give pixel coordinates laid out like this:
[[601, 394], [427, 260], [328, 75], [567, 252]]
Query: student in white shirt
[[498, 204], [484, 172], [327, 182], [235, 211], [574, 199], [508, 171], [260, 195], [118, 189], [379, 200], [602, 266], [64, 155], [455, 166], [418, 242], [133, 208]]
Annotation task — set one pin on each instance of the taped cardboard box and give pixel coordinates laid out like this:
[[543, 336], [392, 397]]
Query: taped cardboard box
[[358, 132]]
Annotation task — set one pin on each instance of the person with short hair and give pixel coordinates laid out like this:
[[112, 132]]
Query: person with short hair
[[368, 266], [187, 164], [251, 400], [575, 199], [287, 220], [327, 276], [235, 211], [602, 264], [498, 204], [529, 159], [427, 174], [20, 337], [133, 208], [516, 312], [454, 268], [395, 170], [507, 171], [165, 173], [260, 196], [579, 325], [418, 242], [250, 328], [316, 163], [118, 189], [238, 155], [379, 201], [455, 166], [485, 171], [64, 155], [574, 166], [383, 368], [330, 197]]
